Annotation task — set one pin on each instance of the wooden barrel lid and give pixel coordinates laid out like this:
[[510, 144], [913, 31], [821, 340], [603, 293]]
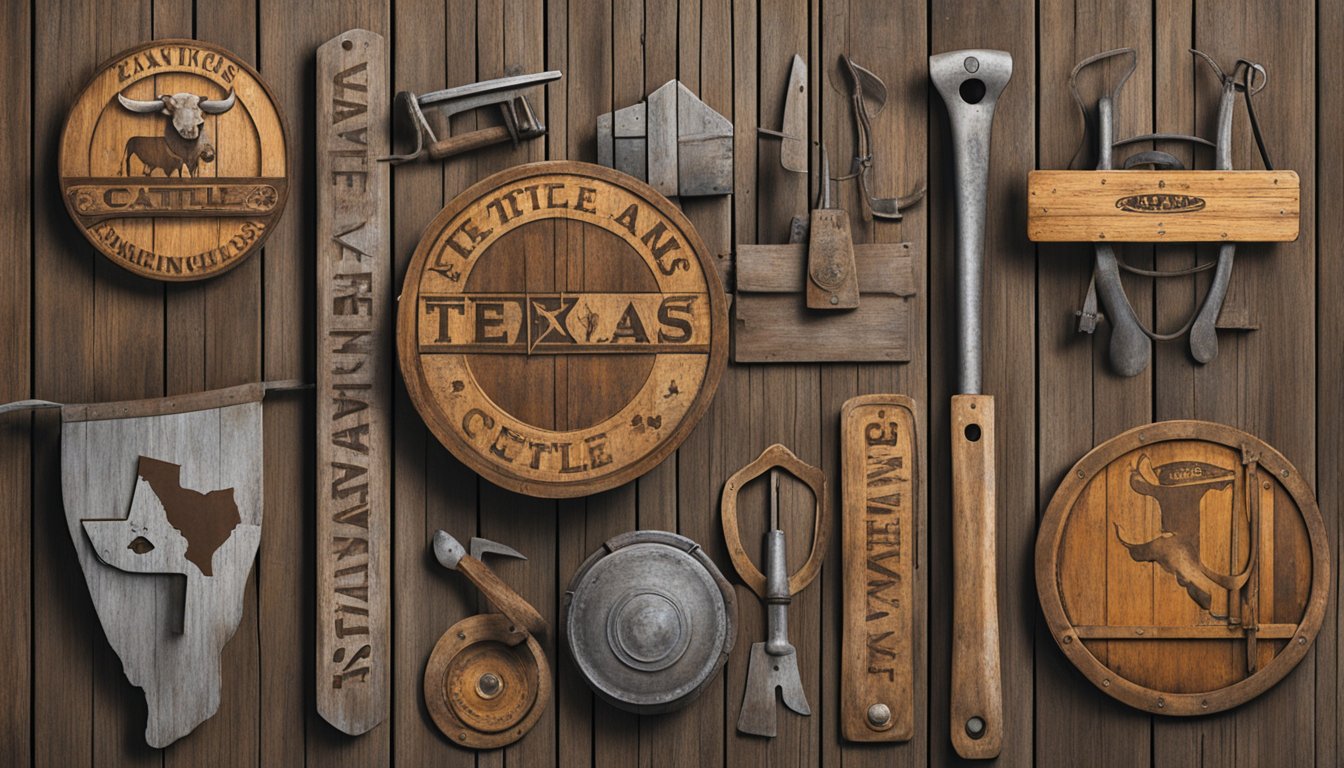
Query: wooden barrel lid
[[562, 328], [173, 161], [1183, 567]]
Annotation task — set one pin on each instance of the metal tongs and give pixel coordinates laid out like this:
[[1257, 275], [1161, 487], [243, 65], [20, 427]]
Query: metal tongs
[[868, 97]]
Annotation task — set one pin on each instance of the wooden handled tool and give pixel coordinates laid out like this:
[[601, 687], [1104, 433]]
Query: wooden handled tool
[[456, 145], [970, 83], [452, 556], [832, 280]]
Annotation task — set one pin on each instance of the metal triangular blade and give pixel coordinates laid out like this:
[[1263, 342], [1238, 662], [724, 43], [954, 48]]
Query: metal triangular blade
[[765, 675], [793, 149]]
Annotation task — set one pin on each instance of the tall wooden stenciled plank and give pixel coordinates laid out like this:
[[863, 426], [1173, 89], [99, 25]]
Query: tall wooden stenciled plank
[[354, 335]]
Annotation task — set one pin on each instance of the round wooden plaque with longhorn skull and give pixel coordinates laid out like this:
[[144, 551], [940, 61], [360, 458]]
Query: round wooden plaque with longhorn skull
[[173, 160], [1183, 567], [562, 328]]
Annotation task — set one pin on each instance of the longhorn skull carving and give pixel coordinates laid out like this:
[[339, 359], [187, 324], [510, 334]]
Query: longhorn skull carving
[[184, 141]]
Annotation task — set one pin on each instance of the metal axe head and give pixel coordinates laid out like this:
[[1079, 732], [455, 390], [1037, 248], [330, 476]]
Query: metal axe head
[[449, 551], [767, 673]]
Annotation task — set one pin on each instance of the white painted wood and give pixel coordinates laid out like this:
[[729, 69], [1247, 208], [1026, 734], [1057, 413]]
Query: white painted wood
[[164, 617]]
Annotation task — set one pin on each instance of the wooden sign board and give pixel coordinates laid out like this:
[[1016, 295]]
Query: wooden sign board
[[1162, 206], [163, 501], [561, 328], [772, 324], [879, 455], [354, 380], [173, 160], [1183, 567]]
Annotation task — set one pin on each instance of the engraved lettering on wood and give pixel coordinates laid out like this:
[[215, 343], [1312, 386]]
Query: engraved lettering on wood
[[354, 377], [879, 469], [551, 372]]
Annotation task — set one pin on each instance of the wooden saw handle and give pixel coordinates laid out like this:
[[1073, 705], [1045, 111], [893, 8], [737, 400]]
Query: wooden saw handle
[[456, 145], [977, 695], [509, 603]]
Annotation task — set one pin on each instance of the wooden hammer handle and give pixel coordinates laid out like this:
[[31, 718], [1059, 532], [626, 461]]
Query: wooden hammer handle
[[509, 603], [977, 696], [456, 145]]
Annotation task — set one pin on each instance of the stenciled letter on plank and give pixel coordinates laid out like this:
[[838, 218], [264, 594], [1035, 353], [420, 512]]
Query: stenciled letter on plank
[[354, 377]]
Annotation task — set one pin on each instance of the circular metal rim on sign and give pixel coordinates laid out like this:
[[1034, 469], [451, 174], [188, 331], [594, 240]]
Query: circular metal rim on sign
[[1111, 682], [280, 204], [434, 418], [684, 546], [469, 631]]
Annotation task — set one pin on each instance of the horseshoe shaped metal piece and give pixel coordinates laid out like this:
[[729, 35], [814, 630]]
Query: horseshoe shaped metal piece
[[1130, 346], [777, 456]]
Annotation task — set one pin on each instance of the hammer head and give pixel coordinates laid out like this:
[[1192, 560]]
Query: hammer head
[[449, 551]]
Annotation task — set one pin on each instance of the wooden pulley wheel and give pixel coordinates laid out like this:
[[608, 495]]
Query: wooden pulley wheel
[[562, 328], [1183, 567], [487, 682], [173, 161]]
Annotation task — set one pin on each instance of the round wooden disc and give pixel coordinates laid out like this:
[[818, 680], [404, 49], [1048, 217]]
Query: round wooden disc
[[183, 192], [1183, 567], [562, 328], [482, 692]]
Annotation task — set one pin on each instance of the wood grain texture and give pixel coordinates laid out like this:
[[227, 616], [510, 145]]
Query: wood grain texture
[[354, 364], [880, 464], [97, 334], [1162, 206]]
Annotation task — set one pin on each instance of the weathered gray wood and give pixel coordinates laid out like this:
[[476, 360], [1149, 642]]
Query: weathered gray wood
[[881, 267], [354, 370], [169, 639], [672, 140]]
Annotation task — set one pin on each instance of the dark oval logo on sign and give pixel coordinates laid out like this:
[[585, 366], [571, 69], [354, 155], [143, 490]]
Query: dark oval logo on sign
[[1160, 203]]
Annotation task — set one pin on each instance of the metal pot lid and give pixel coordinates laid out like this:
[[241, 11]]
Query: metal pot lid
[[649, 621]]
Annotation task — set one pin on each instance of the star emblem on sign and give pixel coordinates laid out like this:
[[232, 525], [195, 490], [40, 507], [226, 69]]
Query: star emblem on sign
[[549, 319]]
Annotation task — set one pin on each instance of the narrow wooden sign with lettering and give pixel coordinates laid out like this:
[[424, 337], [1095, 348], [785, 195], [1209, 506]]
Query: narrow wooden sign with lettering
[[879, 458], [354, 377]]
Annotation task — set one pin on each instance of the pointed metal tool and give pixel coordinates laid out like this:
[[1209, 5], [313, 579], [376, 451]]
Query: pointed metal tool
[[774, 663], [793, 136], [868, 97], [452, 555]]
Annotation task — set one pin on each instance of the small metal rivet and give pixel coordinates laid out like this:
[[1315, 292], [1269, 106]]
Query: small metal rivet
[[1081, 473], [972, 64], [1284, 473], [1106, 683], [461, 635], [1068, 639], [975, 727], [1266, 486], [835, 299], [1161, 703], [879, 715], [1204, 703], [1301, 641]]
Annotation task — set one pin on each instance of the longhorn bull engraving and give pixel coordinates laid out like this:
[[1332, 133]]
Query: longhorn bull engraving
[[185, 141]]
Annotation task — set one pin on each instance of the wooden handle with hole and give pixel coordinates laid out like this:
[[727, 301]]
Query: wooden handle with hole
[[509, 603], [977, 694], [456, 145]]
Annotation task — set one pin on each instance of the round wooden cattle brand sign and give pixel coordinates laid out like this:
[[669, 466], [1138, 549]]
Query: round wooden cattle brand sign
[[172, 161], [561, 328], [1183, 567]]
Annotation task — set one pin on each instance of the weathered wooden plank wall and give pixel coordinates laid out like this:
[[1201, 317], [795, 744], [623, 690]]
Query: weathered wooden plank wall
[[79, 329]]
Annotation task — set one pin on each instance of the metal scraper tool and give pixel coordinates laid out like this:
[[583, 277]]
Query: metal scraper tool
[[774, 663]]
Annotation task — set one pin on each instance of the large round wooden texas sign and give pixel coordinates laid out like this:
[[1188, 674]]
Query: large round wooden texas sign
[[562, 328], [173, 160]]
